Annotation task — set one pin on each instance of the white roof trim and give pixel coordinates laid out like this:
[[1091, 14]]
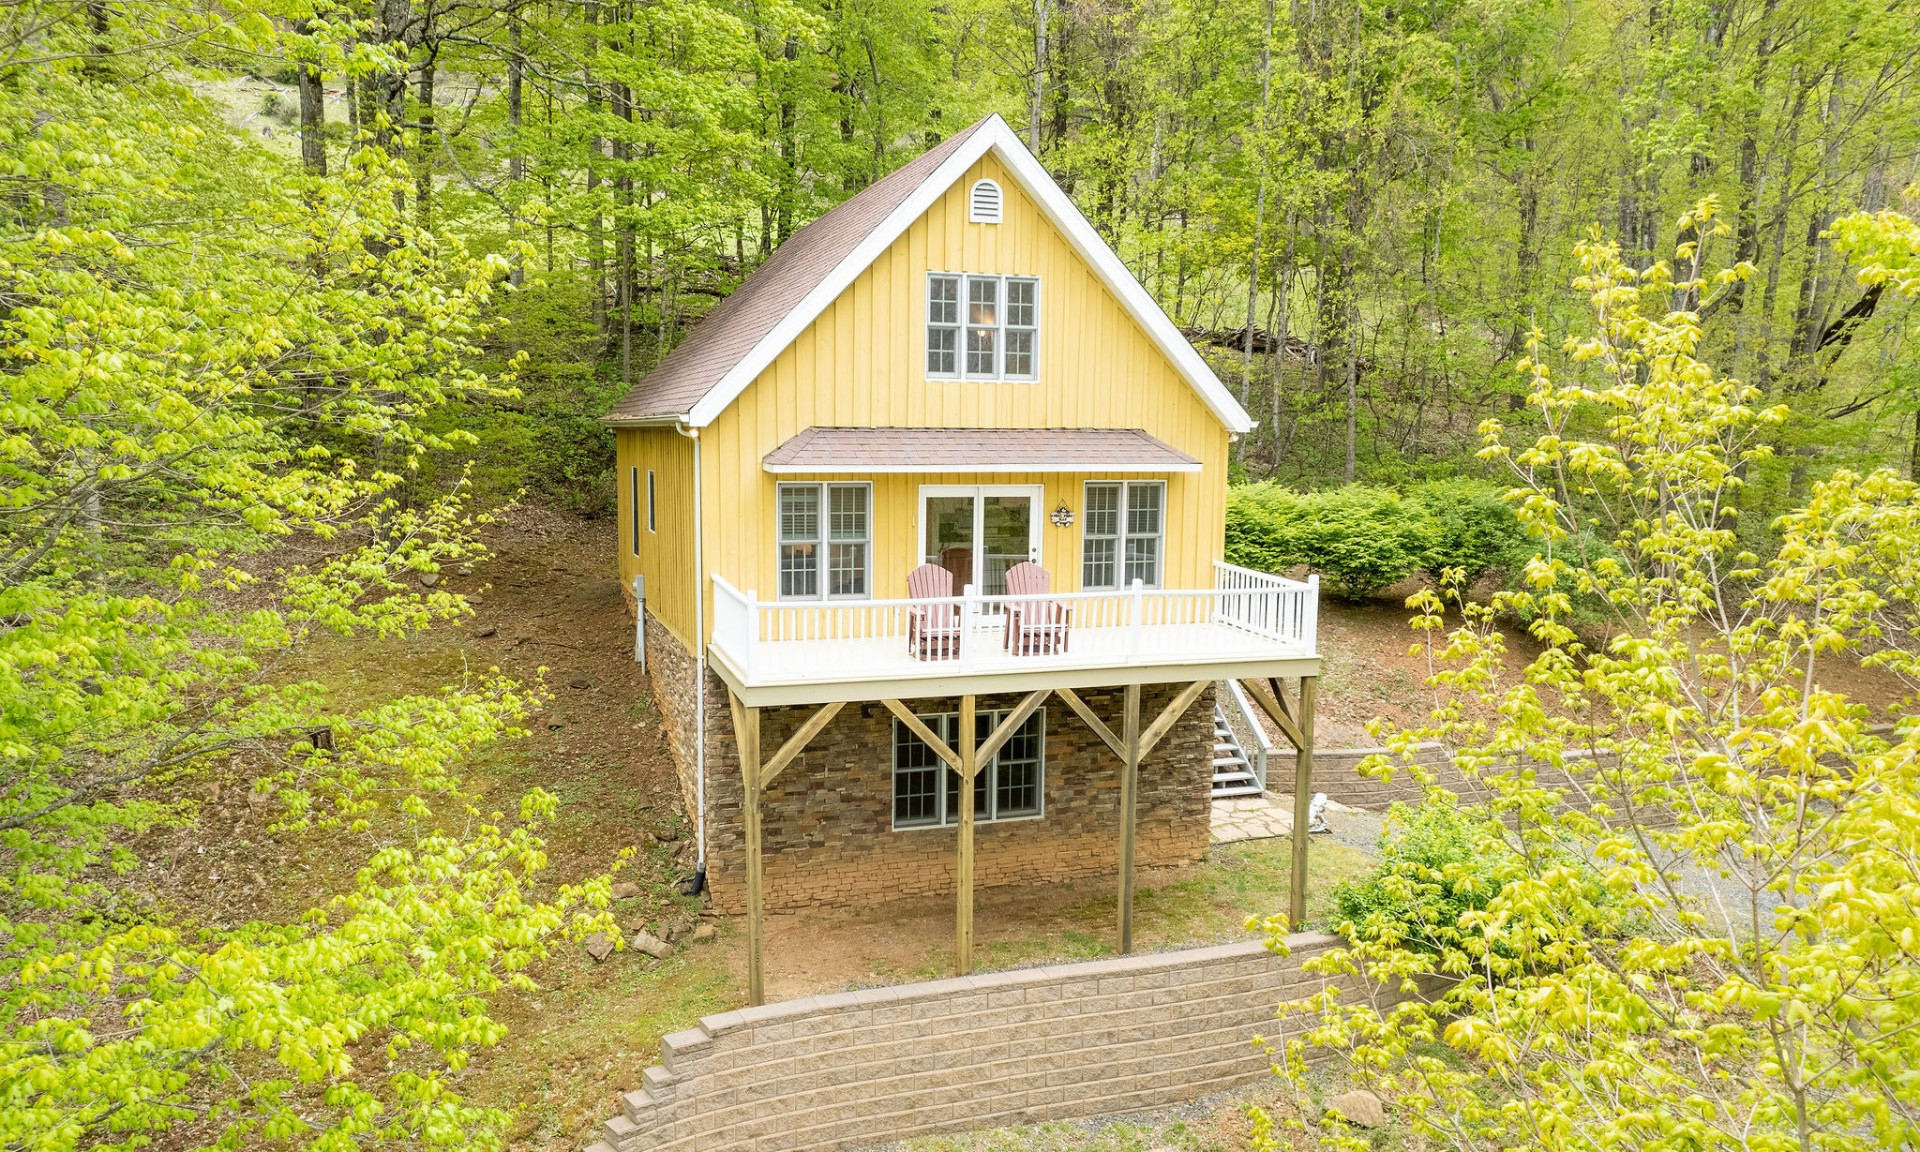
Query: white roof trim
[[995, 136], [1098, 469]]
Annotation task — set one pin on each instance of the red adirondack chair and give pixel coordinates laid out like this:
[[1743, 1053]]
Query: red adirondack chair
[[933, 629], [1036, 627]]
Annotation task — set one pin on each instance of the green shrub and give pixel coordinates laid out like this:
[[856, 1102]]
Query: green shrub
[[1474, 529], [1360, 537], [1437, 863]]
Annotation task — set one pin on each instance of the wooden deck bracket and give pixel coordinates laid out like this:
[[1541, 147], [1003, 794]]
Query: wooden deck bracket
[[1098, 725], [919, 728], [1275, 706], [1000, 735], [797, 743]]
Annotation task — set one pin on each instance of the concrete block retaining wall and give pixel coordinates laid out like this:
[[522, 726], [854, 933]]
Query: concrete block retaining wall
[[1071, 1040]]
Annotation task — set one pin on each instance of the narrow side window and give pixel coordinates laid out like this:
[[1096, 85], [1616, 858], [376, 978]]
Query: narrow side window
[[633, 506], [943, 325], [653, 524]]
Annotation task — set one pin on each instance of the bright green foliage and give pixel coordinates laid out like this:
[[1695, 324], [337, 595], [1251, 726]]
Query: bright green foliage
[[1724, 950], [1365, 538], [1438, 861], [213, 377], [1474, 530], [1362, 539]]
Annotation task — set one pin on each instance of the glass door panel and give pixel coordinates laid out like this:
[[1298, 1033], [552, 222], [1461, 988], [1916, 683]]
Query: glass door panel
[[950, 537], [1006, 539]]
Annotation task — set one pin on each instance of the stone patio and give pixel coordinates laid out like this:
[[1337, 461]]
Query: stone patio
[[1251, 818], [1271, 814]]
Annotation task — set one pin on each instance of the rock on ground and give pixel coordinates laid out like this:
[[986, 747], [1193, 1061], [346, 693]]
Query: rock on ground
[[599, 946], [1359, 1107], [645, 941]]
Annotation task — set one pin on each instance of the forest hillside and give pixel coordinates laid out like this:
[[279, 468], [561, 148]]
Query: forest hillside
[[1594, 319]]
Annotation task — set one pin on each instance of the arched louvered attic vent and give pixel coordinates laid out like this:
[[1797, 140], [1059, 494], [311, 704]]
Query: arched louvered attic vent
[[983, 203]]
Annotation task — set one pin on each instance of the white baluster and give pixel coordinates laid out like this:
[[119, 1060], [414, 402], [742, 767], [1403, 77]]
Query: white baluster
[[752, 653], [969, 610], [1135, 633]]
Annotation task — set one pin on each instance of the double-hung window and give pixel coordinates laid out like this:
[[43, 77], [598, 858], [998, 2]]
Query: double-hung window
[[826, 536], [926, 793], [983, 327], [1124, 533]]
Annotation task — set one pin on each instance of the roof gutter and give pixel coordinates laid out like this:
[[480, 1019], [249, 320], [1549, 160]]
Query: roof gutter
[[678, 421]]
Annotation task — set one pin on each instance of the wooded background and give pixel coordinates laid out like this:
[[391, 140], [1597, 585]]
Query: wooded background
[[1390, 191]]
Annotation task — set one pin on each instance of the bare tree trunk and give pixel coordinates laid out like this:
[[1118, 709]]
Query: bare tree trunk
[[1353, 385], [1042, 17], [516, 159], [423, 145], [1259, 218], [1283, 295], [624, 238], [313, 120], [596, 237]]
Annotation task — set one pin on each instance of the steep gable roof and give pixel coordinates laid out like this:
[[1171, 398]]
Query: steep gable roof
[[743, 334]]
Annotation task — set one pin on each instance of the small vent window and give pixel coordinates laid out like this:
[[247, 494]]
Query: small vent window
[[984, 203]]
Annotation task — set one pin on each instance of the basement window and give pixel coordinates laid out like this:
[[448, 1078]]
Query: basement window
[[926, 793]]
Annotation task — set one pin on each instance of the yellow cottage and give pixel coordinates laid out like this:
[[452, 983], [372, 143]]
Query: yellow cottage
[[924, 527]]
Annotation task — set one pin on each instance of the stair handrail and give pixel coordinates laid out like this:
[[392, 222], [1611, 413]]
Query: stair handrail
[[1241, 719]]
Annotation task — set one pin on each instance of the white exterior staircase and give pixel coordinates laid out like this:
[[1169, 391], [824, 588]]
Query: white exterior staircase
[[1233, 773]]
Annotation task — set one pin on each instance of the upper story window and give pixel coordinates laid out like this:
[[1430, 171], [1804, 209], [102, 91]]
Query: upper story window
[[983, 202], [983, 327]]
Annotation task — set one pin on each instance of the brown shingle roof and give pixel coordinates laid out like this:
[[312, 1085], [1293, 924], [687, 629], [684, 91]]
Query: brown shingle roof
[[738, 323], [977, 450]]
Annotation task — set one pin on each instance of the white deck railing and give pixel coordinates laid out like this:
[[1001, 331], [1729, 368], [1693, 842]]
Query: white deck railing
[[1246, 615]]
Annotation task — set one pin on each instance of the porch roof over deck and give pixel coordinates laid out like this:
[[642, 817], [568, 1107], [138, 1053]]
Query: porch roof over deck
[[856, 450]]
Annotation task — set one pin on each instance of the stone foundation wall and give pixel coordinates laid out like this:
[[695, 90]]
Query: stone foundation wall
[[671, 669], [827, 821], [884, 1064]]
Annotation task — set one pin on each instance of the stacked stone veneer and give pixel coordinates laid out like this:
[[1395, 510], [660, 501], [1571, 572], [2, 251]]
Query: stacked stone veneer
[[1091, 1039], [827, 821]]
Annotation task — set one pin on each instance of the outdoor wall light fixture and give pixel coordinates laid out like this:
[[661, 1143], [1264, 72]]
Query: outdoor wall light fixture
[[1063, 516]]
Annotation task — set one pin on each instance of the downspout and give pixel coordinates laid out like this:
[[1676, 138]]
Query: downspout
[[699, 667]]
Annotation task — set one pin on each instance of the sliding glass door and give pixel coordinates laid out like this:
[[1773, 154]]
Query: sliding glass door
[[977, 532]]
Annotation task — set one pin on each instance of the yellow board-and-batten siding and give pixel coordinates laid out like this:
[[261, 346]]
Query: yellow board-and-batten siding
[[666, 552], [861, 363]]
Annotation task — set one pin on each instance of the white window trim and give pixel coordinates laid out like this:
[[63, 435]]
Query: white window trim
[[653, 523], [825, 540], [1120, 537], [994, 717], [1036, 516], [1000, 330]]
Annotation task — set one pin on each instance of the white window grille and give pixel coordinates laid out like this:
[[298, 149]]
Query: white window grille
[[1010, 786], [983, 327], [826, 536], [1123, 533]]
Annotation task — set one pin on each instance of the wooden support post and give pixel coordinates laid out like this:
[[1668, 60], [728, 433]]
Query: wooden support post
[[1129, 800], [1302, 803], [965, 743], [746, 731]]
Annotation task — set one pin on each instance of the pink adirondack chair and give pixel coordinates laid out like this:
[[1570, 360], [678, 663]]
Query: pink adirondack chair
[[933, 629], [1035, 627]]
